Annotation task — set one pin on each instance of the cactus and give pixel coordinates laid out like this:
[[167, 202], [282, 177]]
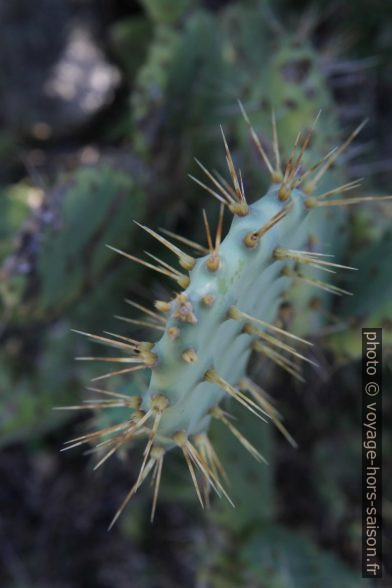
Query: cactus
[[49, 278], [70, 225], [279, 556], [150, 93], [227, 309], [300, 562], [169, 114], [291, 81]]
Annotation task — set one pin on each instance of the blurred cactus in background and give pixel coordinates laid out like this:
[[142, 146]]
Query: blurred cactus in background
[[80, 162]]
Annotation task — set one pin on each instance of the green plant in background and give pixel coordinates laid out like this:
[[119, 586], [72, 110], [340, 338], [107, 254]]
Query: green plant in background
[[160, 100]]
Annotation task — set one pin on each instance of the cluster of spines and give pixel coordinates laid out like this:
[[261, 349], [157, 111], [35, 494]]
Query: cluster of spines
[[200, 455]]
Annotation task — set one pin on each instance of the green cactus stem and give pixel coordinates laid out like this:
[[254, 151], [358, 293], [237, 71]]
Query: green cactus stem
[[226, 310]]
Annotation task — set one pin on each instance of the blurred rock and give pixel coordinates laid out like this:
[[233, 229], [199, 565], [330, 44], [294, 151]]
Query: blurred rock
[[54, 78], [81, 83]]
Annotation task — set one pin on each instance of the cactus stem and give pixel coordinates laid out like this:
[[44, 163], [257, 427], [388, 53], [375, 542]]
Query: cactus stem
[[185, 260], [201, 342], [147, 311], [217, 413], [213, 377], [236, 314]]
